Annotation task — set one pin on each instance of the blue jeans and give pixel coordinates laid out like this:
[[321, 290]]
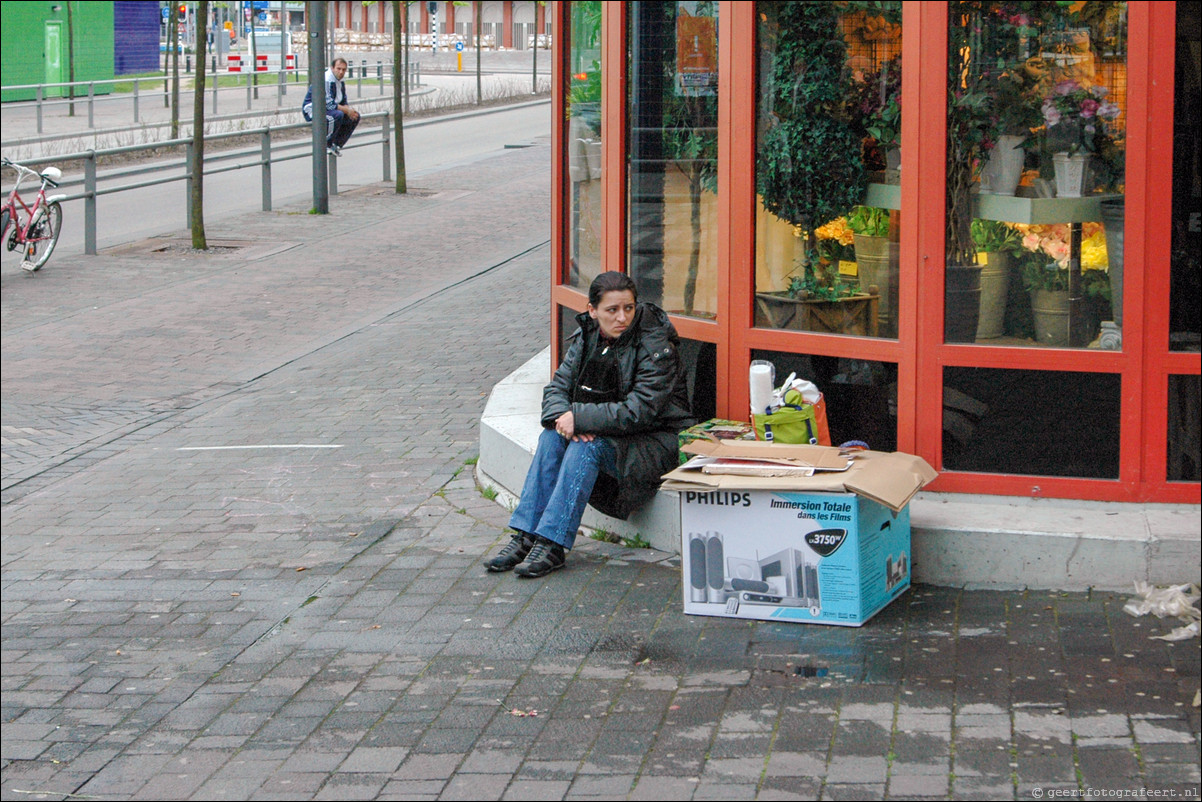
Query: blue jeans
[[558, 485]]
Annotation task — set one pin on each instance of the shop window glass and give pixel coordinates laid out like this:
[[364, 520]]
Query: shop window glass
[[1185, 421], [584, 144], [827, 157], [1185, 333], [1035, 422], [672, 151], [860, 395], [1035, 166]]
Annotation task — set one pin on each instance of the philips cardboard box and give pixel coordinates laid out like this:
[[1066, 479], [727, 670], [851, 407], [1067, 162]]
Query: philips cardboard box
[[828, 548]]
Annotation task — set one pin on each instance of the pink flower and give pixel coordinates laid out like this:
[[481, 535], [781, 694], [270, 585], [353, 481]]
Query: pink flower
[[1089, 107], [1065, 88], [1108, 111], [1051, 114]]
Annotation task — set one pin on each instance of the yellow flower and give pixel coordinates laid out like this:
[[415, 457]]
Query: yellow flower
[[1093, 252], [837, 230]]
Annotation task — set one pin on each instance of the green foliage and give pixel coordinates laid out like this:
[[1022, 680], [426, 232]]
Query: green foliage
[[809, 167], [636, 542], [821, 282], [869, 221], [992, 236], [489, 493]]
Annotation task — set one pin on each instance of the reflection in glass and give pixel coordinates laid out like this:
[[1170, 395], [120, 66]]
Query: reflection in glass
[[1185, 453], [1036, 422], [860, 395], [1036, 110], [584, 144], [673, 151], [828, 125], [1185, 328]]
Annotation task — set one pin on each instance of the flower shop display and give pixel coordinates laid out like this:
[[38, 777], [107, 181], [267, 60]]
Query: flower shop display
[[1046, 252], [809, 167], [878, 260], [996, 242], [1077, 119]]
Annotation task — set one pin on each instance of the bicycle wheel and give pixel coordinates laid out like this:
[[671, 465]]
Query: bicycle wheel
[[43, 234]]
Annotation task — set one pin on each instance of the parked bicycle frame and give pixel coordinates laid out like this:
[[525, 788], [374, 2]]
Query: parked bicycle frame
[[36, 227]]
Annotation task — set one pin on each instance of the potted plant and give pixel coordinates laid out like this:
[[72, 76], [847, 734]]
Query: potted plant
[[877, 259], [970, 119], [1017, 109], [819, 297], [996, 242], [1046, 254], [876, 105], [809, 168], [1077, 119]]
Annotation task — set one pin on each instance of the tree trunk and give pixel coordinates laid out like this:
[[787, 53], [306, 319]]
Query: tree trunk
[[398, 98], [690, 284], [198, 131]]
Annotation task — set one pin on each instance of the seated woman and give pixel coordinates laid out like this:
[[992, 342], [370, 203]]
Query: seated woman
[[611, 416]]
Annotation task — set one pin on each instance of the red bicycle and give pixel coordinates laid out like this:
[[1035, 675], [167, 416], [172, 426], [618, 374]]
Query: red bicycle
[[36, 227]]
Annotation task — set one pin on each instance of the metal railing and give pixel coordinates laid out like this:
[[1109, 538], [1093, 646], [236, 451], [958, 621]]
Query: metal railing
[[264, 156], [45, 96]]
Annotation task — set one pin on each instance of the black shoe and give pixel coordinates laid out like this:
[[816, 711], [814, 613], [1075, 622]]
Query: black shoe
[[511, 555], [545, 557]]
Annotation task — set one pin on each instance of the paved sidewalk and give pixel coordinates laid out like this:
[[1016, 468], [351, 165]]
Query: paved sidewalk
[[242, 550]]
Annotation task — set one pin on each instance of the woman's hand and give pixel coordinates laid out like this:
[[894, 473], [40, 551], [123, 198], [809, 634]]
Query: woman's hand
[[565, 424]]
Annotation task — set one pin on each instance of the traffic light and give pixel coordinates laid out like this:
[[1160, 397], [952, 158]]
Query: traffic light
[[432, 7], [183, 11]]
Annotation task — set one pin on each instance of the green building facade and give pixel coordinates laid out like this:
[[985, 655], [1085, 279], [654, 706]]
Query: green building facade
[[34, 40]]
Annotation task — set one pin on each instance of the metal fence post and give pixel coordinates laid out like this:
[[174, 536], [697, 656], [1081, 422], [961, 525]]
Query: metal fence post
[[279, 89], [188, 185], [360, 83], [39, 108], [214, 93], [89, 204], [265, 141], [387, 148], [332, 169], [135, 100], [380, 74], [248, 91], [91, 103]]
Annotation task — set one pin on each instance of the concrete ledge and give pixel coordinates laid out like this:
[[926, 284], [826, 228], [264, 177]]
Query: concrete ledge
[[958, 540]]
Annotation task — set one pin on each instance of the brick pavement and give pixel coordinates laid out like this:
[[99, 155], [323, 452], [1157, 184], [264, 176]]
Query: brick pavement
[[314, 623]]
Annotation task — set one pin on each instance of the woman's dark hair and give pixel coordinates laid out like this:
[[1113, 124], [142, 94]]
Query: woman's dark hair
[[609, 281]]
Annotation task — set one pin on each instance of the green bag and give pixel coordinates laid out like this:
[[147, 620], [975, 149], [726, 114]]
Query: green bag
[[794, 423]]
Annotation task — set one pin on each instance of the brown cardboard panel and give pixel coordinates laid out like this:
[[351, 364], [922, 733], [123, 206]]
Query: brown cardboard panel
[[890, 479], [823, 458]]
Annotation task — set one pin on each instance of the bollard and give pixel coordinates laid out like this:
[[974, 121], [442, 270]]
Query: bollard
[[380, 74], [279, 89], [89, 204], [188, 185], [359, 85], [248, 91], [387, 148], [91, 104], [136, 100], [265, 143], [188, 63], [332, 170], [39, 108], [214, 93]]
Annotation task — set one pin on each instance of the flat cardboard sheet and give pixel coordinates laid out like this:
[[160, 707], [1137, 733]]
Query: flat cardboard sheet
[[891, 479]]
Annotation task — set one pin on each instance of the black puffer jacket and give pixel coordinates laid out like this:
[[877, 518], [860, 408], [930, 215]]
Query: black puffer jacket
[[643, 425]]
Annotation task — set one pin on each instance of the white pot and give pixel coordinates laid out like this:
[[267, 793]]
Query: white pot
[[1004, 168], [1070, 174]]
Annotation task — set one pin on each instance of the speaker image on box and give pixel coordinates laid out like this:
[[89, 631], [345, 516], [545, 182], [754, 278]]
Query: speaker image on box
[[715, 576], [787, 564], [697, 580]]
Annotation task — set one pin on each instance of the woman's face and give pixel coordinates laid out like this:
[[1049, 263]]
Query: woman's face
[[614, 313]]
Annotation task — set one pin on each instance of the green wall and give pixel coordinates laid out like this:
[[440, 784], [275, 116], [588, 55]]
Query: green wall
[[23, 57]]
